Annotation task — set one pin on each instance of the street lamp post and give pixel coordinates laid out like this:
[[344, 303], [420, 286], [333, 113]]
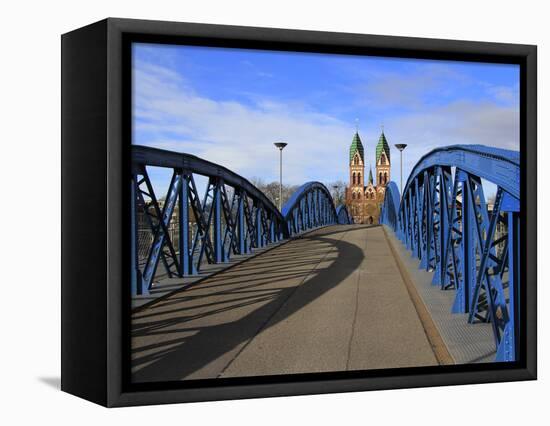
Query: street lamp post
[[281, 146], [401, 147]]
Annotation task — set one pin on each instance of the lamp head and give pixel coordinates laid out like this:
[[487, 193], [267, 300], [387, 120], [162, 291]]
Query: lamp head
[[280, 145], [400, 146]]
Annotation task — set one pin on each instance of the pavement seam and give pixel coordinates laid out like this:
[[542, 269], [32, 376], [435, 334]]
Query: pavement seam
[[354, 319], [284, 302], [437, 343]]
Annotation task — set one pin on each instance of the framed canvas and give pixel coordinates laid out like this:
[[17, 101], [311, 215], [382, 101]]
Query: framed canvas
[[252, 212]]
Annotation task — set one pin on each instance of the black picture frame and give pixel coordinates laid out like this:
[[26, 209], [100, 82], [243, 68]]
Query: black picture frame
[[96, 88]]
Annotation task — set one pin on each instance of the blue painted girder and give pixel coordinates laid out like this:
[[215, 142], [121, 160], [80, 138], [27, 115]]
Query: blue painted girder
[[443, 218], [233, 216]]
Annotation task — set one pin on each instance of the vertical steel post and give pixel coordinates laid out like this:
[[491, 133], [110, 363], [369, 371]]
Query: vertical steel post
[[310, 210], [403, 212], [469, 246], [306, 211], [302, 214], [319, 212], [409, 215], [421, 225], [441, 269], [425, 222], [507, 349], [259, 226], [240, 224], [400, 220], [183, 208], [218, 249], [136, 287], [465, 287], [413, 215], [315, 203], [418, 219], [323, 211], [438, 209], [434, 219]]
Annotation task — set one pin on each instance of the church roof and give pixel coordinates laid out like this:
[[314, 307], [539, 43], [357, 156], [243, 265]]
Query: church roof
[[370, 175], [382, 146], [356, 146]]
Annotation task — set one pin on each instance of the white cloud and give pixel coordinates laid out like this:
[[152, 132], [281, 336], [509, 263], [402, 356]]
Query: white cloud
[[390, 89], [505, 94], [237, 136], [461, 122], [240, 137]]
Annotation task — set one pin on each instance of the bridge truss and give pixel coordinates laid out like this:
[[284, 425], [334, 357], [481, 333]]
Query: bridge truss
[[471, 245], [312, 206], [233, 217]]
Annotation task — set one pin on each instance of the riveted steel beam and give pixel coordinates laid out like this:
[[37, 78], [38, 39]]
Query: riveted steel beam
[[472, 246]]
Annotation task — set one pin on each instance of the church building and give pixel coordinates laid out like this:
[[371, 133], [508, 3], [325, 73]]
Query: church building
[[364, 201]]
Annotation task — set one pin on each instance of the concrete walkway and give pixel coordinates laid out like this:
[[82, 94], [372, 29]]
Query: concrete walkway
[[333, 300], [466, 343]]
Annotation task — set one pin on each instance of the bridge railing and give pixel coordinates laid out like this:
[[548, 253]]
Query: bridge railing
[[233, 217], [470, 244], [390, 207], [312, 206], [343, 215], [183, 231]]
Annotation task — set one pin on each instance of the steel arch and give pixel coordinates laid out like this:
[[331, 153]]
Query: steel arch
[[342, 213], [390, 206], [446, 222], [311, 206], [234, 217]]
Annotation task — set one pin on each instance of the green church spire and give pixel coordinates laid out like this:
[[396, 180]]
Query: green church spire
[[356, 146], [382, 146]]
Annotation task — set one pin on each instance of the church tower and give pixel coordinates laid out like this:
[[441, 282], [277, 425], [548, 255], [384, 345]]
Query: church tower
[[364, 201], [356, 167], [382, 161]]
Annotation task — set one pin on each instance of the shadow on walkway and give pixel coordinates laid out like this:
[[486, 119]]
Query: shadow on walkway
[[202, 329]]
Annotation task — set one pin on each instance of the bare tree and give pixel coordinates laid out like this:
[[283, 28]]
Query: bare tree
[[271, 190], [338, 191], [258, 182]]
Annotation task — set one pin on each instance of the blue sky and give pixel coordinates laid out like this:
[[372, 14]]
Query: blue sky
[[230, 105]]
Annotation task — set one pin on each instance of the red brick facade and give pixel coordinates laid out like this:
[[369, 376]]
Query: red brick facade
[[364, 201]]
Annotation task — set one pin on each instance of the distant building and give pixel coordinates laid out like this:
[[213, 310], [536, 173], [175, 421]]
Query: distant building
[[364, 201]]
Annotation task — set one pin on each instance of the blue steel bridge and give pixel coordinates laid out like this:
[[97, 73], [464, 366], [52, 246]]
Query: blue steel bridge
[[227, 285]]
